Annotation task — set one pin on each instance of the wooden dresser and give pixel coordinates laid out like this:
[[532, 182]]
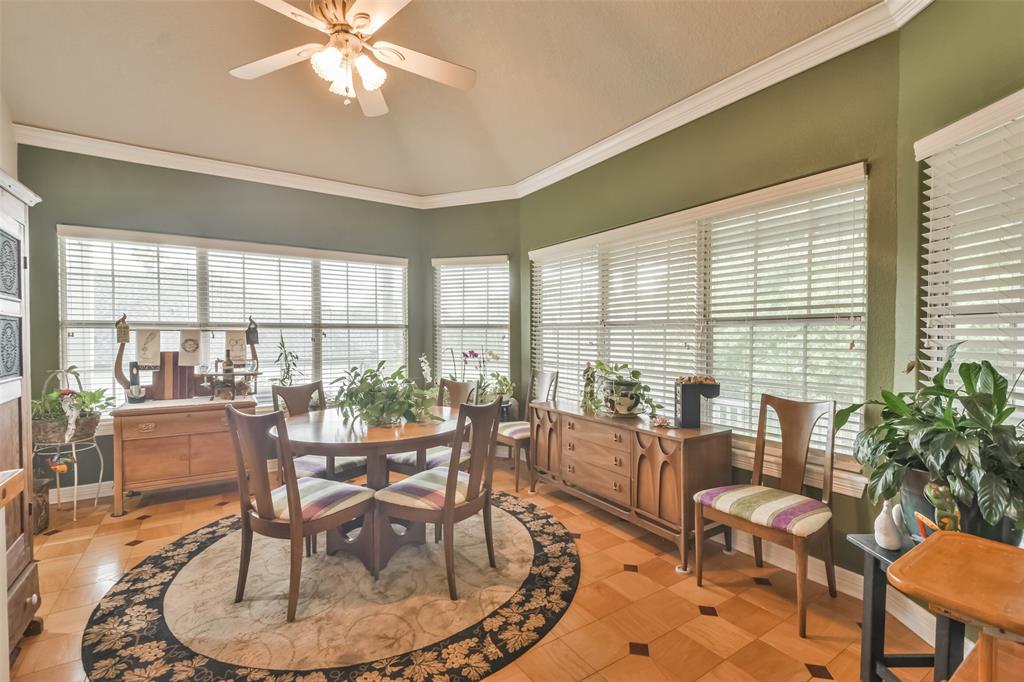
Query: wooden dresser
[[626, 467], [15, 408], [167, 443]]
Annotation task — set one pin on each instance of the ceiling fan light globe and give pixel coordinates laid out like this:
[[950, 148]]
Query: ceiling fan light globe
[[372, 75], [327, 63]]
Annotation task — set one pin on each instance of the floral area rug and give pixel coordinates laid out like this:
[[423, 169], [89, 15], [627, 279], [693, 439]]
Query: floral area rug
[[173, 618]]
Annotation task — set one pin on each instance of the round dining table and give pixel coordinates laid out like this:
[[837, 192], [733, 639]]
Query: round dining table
[[328, 433]]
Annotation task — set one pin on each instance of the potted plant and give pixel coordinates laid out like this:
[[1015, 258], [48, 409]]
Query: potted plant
[[288, 361], [49, 421], [379, 398], [954, 455], [90, 406], [616, 389]]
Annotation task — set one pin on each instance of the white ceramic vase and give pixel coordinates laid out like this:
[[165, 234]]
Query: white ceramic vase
[[887, 533]]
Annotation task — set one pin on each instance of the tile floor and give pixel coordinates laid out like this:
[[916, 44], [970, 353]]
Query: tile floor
[[634, 618]]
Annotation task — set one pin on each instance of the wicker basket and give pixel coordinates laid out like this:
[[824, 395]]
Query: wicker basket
[[49, 431]]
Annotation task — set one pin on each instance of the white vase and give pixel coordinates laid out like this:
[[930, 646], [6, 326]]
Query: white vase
[[887, 533]]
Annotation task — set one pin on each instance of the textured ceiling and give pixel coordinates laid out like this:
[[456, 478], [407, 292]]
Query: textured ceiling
[[553, 78]]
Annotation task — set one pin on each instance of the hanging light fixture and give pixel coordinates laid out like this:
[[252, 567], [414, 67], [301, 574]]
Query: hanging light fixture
[[343, 85], [370, 73], [327, 63]]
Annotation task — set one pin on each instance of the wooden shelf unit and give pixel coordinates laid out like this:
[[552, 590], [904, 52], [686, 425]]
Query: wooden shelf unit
[[168, 443], [628, 468]]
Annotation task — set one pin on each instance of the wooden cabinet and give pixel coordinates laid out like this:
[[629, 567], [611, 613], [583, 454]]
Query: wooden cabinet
[[626, 467], [168, 443], [15, 404]]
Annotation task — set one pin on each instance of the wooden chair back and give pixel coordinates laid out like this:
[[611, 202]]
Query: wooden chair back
[[543, 386], [458, 392], [797, 420], [250, 433], [483, 439], [297, 399]]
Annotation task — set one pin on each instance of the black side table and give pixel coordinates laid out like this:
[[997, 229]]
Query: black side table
[[875, 664]]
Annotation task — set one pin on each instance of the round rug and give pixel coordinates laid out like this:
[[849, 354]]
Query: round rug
[[173, 618]]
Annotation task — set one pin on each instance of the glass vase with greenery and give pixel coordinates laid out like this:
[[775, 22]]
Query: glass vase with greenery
[[967, 438]]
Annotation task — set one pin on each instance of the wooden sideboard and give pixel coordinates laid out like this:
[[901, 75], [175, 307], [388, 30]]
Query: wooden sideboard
[[168, 443], [628, 468]]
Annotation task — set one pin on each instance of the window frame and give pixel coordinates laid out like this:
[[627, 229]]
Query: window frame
[[848, 480], [204, 247], [440, 350]]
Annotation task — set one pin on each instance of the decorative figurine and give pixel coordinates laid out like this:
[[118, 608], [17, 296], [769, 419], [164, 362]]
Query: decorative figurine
[[887, 533], [121, 329], [252, 332]]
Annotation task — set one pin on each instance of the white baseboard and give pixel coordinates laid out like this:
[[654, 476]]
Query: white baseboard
[[86, 492], [902, 608]]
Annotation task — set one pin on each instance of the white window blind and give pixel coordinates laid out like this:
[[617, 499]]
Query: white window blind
[[974, 250], [767, 292], [471, 312], [334, 313]]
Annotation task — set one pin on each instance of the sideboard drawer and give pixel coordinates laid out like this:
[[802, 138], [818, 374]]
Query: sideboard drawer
[[173, 424], [595, 432], [155, 459], [211, 453], [616, 461], [595, 480]]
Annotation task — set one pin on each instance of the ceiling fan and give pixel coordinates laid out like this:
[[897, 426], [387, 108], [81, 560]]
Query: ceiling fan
[[350, 23]]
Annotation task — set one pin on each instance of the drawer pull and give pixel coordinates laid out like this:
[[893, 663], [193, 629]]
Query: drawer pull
[[617, 437], [571, 468], [571, 425], [616, 487], [571, 446], [617, 461], [33, 600], [146, 427]]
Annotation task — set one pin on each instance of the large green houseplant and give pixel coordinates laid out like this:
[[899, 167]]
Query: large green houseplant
[[964, 445], [381, 398]]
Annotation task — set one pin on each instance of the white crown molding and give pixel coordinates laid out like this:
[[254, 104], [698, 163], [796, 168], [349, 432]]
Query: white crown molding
[[873, 23], [23, 193], [996, 114]]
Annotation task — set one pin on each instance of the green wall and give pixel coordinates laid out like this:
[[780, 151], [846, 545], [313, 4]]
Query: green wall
[[868, 105]]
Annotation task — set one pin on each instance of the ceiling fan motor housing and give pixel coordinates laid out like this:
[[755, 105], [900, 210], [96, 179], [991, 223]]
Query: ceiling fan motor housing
[[334, 14]]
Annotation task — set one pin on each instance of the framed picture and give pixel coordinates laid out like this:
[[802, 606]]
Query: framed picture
[[234, 342], [147, 347], [189, 343]]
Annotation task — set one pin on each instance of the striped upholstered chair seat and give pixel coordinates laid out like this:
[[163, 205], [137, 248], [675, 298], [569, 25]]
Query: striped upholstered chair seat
[[440, 456], [318, 497], [514, 430], [315, 466], [425, 490], [769, 507]]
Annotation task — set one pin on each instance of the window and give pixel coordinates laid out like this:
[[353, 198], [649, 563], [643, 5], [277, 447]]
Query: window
[[974, 242], [471, 312], [334, 310], [767, 292]]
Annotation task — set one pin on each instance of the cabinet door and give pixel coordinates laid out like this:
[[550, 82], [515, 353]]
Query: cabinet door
[[15, 424], [211, 453], [544, 439], [657, 480], [155, 459]]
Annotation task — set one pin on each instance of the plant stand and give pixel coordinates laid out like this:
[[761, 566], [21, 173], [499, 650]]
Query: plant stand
[[71, 450]]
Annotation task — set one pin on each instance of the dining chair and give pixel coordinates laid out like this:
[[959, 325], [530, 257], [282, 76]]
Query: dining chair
[[516, 434], [298, 401], [299, 508], [458, 392], [447, 495], [782, 515]]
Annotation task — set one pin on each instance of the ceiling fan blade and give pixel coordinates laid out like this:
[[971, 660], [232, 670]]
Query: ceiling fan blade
[[262, 67], [371, 101], [367, 16], [295, 14], [424, 65]]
